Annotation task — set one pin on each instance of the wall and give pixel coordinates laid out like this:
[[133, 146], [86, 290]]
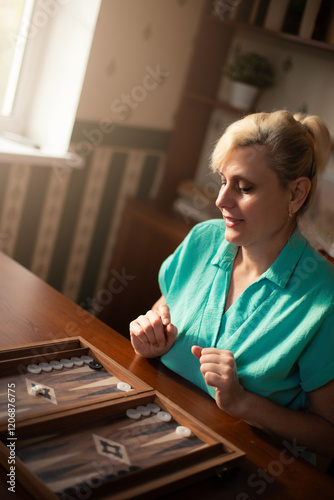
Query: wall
[[301, 75], [301, 83], [135, 40], [62, 223]]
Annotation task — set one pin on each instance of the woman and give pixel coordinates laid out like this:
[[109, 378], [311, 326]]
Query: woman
[[252, 304]]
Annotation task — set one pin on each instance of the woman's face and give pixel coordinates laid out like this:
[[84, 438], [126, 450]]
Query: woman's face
[[254, 205]]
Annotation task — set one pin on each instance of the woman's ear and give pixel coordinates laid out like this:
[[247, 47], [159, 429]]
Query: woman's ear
[[300, 189]]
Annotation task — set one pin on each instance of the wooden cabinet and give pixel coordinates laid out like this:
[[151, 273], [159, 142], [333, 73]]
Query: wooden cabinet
[[211, 50], [150, 231], [148, 235]]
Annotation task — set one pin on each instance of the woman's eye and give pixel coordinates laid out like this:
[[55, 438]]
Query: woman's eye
[[245, 189]]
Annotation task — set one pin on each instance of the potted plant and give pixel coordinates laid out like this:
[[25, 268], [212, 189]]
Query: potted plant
[[250, 73]]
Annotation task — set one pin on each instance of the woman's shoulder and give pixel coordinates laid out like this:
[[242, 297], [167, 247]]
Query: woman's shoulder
[[318, 259], [319, 270], [204, 238], [209, 228]]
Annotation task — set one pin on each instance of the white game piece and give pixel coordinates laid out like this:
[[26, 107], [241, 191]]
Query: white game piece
[[36, 389], [34, 368], [46, 367], [164, 416], [132, 413], [57, 365], [153, 407], [86, 359], [144, 411], [77, 361], [123, 386], [183, 431], [67, 363]]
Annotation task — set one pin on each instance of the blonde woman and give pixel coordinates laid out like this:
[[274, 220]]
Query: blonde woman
[[247, 305]]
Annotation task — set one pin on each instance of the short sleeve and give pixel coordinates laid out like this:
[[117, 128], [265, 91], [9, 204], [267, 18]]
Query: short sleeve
[[317, 362], [192, 255], [166, 270], [169, 266]]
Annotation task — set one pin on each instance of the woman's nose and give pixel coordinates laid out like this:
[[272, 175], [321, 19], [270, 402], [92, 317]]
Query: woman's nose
[[224, 198]]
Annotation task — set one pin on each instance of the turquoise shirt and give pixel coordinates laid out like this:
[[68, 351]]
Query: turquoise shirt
[[280, 329]]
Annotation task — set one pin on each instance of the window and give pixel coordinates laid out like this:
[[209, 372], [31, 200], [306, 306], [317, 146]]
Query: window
[[44, 48], [15, 17]]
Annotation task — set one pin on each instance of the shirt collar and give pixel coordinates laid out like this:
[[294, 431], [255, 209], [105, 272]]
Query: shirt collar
[[283, 267], [280, 271], [225, 254]]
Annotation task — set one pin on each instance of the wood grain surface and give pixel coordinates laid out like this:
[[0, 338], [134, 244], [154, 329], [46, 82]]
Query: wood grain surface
[[31, 311]]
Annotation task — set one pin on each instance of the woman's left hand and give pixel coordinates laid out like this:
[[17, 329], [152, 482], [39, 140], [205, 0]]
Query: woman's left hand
[[219, 370]]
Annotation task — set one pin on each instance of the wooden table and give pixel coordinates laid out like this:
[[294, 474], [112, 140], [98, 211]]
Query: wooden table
[[32, 311]]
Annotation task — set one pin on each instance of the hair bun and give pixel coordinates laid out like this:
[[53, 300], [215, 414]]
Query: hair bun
[[321, 139]]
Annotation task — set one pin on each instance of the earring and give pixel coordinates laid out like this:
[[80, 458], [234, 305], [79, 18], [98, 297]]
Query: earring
[[290, 217]]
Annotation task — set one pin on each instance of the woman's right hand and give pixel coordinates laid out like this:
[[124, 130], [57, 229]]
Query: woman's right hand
[[153, 334]]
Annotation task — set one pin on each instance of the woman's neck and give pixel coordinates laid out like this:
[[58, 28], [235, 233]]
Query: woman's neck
[[256, 259]]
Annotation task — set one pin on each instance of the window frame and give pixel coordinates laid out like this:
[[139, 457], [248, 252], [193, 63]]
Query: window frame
[[36, 108], [18, 61]]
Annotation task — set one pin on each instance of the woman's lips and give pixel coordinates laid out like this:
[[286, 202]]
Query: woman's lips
[[232, 222]]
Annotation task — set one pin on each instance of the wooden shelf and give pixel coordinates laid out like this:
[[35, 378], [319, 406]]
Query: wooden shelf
[[216, 103], [212, 46], [155, 229], [308, 42]]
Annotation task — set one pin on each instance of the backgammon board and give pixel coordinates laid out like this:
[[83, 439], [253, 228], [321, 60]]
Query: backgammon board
[[76, 424]]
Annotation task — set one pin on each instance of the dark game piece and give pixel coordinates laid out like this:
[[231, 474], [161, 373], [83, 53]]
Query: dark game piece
[[95, 365]]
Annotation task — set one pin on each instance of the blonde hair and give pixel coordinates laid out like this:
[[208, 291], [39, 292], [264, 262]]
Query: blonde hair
[[296, 145]]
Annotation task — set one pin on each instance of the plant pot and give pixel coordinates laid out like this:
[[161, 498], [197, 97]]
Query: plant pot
[[243, 96]]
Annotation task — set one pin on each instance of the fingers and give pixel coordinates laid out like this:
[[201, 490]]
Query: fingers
[[164, 313], [217, 366], [217, 356], [171, 332], [197, 351], [148, 328], [153, 334], [212, 354], [139, 347]]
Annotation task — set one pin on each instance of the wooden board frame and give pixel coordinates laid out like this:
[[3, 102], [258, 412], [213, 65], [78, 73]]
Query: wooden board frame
[[145, 479], [13, 363], [147, 482]]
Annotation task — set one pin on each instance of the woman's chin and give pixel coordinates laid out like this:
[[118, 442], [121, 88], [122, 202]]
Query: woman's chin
[[233, 235]]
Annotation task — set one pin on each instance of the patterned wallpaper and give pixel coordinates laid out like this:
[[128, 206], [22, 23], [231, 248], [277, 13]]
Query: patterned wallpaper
[[62, 223]]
